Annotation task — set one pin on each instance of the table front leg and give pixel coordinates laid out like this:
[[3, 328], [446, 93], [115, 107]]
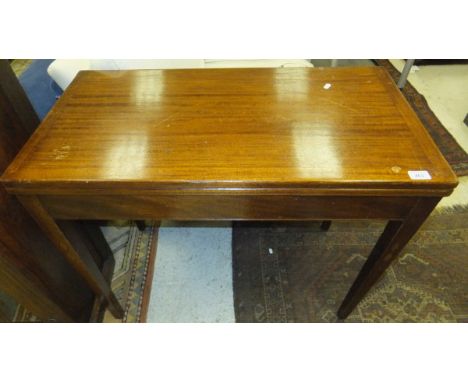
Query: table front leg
[[89, 271], [394, 237]]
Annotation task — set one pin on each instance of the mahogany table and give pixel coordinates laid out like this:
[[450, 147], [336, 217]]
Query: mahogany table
[[232, 144]]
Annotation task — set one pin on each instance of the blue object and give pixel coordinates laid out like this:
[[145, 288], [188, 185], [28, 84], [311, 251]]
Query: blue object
[[40, 88]]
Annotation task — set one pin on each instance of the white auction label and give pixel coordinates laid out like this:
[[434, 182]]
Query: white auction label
[[419, 175]]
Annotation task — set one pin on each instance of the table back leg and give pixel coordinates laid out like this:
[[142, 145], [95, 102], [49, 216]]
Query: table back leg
[[393, 239], [140, 224], [325, 225]]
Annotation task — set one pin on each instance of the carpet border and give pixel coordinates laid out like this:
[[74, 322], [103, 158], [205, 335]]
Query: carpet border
[[146, 295], [460, 168]]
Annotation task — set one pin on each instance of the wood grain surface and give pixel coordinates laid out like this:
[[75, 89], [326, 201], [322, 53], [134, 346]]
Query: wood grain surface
[[230, 128], [226, 207], [32, 271], [232, 144]]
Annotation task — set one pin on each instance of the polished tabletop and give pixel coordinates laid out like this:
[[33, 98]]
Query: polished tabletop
[[334, 128]]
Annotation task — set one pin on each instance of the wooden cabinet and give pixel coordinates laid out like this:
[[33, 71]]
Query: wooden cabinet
[[32, 271]]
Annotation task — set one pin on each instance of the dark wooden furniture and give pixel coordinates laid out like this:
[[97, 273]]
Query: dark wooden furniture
[[233, 144], [32, 271]]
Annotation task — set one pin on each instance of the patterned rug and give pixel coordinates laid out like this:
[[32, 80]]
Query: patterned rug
[[297, 273], [132, 278], [452, 151], [134, 253]]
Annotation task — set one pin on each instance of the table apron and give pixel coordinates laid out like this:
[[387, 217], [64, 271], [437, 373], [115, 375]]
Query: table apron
[[226, 207]]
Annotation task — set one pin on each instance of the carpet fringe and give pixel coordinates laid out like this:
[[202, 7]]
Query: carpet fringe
[[456, 208]]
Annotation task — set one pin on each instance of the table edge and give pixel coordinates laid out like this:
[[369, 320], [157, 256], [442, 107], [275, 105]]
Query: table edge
[[415, 188]]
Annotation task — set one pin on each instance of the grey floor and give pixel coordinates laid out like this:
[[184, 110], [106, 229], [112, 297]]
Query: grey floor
[[193, 274], [327, 63]]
